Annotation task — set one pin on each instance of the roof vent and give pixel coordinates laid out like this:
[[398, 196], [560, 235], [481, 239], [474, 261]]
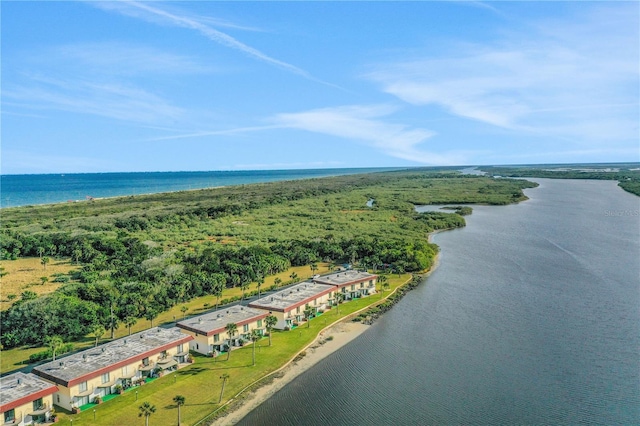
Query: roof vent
[[199, 320], [19, 381], [227, 312], [62, 364], [219, 315], [104, 349], [158, 329], [272, 299], [242, 308], [84, 357], [124, 342]]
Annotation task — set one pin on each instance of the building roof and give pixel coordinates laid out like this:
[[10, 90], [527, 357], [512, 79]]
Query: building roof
[[215, 322], [22, 388], [344, 278], [84, 365], [292, 297]]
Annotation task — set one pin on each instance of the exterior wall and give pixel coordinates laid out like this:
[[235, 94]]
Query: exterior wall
[[205, 344], [296, 312], [22, 411], [359, 289], [75, 396]]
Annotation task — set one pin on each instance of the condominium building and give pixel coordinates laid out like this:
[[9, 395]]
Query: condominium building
[[288, 305], [352, 284], [94, 373], [25, 399], [209, 331]]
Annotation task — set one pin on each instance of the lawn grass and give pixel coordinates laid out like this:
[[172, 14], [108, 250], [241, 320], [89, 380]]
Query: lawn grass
[[13, 359], [200, 382]]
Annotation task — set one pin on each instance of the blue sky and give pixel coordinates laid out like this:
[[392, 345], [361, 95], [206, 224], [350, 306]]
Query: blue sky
[[162, 86]]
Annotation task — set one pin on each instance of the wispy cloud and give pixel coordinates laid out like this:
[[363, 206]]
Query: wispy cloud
[[363, 123], [142, 10], [536, 81], [113, 100]]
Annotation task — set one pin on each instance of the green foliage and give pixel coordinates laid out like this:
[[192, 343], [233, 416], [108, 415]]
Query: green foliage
[[145, 254]]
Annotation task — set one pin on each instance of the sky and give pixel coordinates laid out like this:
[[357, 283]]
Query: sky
[[202, 85]]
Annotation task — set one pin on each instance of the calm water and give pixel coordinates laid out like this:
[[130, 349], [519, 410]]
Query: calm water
[[532, 318], [22, 190]]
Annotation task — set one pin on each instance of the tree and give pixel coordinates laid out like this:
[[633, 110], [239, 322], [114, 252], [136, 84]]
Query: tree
[[224, 378], [231, 329], [217, 291], [339, 298], [150, 315], [277, 281], [382, 279], [97, 332], [260, 282], [44, 280], [244, 285], [44, 262], [146, 410], [130, 322], [308, 312], [40, 251], [54, 343], [293, 277], [179, 400], [314, 268], [254, 336], [269, 323], [184, 310]]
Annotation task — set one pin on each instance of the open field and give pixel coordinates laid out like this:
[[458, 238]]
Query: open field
[[26, 274], [200, 382]]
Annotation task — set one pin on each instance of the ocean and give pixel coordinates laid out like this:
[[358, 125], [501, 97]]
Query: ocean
[[23, 190], [532, 318]]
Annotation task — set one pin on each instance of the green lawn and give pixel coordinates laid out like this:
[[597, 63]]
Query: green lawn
[[200, 382]]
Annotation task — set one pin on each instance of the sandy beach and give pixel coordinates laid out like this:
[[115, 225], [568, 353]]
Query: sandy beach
[[341, 334]]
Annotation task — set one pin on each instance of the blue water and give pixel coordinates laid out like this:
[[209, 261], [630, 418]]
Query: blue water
[[23, 190], [532, 318]]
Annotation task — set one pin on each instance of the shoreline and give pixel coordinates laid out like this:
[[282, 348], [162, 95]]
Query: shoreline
[[341, 332]]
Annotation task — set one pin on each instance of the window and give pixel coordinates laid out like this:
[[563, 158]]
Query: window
[[245, 328], [145, 361], [315, 302], [125, 370], [163, 354], [370, 283], [37, 404], [179, 348], [58, 399], [82, 386], [259, 323], [216, 337], [353, 287], [361, 285], [105, 378], [344, 289], [197, 346], [10, 416], [298, 310]]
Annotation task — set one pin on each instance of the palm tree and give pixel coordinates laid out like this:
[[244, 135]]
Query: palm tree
[[339, 298], [217, 292], [150, 315], [184, 310], [293, 277], [277, 281], [260, 282], [54, 343], [44, 262], [146, 410], [382, 280], [269, 323], [244, 285], [255, 336], [308, 312], [179, 400], [231, 329], [224, 378], [40, 251], [97, 332], [130, 322], [314, 268]]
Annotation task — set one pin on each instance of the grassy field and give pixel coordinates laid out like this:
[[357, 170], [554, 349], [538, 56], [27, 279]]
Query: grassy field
[[13, 359], [200, 382], [26, 274]]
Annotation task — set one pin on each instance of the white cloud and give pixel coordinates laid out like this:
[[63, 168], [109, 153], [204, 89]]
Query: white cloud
[[363, 123], [537, 79], [143, 10]]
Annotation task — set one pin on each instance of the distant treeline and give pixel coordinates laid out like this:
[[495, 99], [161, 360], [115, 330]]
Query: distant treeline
[[628, 176], [139, 256]]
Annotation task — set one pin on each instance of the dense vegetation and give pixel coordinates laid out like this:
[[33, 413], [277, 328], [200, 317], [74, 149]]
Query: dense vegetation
[[140, 255], [627, 175]]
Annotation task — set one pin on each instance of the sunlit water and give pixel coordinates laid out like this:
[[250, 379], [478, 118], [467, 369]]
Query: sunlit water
[[532, 318]]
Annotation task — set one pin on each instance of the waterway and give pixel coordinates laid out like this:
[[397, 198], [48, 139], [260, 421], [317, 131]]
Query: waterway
[[532, 318]]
